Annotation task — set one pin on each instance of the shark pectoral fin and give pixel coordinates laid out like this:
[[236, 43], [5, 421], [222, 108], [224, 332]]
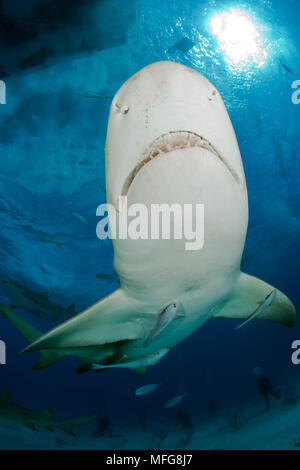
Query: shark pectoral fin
[[140, 371], [244, 298], [111, 320]]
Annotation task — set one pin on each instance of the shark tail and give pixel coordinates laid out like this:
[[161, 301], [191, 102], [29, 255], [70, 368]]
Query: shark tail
[[31, 333], [70, 424], [248, 292]]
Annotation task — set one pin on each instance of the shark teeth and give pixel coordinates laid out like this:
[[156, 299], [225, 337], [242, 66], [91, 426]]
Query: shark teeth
[[174, 140]]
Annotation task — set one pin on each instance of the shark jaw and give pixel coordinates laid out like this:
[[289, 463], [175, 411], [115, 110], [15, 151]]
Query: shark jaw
[[170, 141]]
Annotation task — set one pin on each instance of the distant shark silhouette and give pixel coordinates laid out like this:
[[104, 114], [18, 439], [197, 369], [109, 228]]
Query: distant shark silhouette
[[34, 302], [9, 411], [169, 140]]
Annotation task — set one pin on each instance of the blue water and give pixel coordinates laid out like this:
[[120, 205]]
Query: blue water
[[52, 161]]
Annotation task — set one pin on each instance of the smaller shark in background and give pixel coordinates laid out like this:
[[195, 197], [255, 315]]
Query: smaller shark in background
[[9, 411], [43, 237], [34, 302]]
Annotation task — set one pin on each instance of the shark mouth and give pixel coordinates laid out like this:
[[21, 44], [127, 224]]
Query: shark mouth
[[170, 141]]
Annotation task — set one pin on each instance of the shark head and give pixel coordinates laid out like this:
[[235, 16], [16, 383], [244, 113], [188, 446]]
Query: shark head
[[163, 107]]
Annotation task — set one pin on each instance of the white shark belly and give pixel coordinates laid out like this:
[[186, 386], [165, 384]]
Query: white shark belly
[[170, 140]]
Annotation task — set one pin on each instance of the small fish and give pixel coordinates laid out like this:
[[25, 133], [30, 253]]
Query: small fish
[[266, 303], [106, 277], [102, 187], [48, 239], [184, 45], [79, 218], [287, 68], [174, 401], [89, 94], [172, 312], [142, 361], [146, 389]]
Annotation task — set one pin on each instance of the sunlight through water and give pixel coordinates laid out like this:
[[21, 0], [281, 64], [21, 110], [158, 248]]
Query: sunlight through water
[[239, 38]]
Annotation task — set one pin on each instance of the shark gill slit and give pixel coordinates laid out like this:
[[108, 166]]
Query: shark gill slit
[[170, 141]]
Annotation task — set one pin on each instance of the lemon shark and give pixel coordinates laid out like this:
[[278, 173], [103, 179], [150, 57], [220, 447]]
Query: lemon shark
[[169, 140], [34, 302], [10, 411]]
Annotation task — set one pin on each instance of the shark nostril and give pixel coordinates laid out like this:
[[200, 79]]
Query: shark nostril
[[124, 109]]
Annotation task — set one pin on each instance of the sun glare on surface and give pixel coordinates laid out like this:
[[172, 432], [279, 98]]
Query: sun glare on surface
[[238, 37]]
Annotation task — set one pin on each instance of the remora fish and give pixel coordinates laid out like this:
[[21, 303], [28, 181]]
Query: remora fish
[[170, 140], [138, 363], [146, 389], [9, 411], [165, 318], [106, 277], [174, 401], [265, 304]]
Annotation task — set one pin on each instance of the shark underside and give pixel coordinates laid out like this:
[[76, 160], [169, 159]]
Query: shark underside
[[169, 141]]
